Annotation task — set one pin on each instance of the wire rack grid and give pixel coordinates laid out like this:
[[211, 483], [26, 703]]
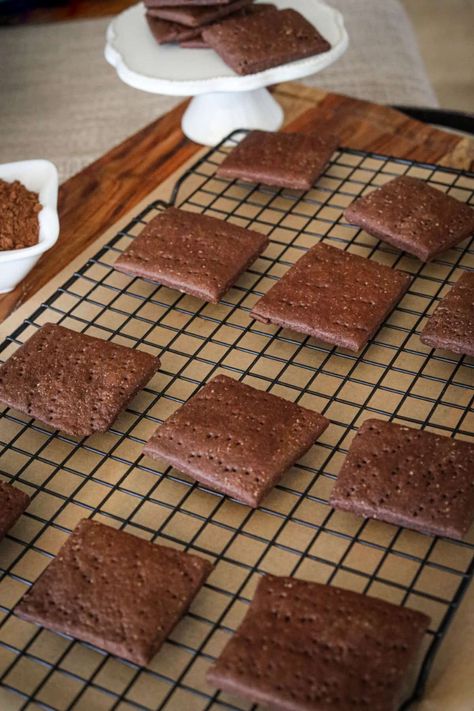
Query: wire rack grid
[[295, 531]]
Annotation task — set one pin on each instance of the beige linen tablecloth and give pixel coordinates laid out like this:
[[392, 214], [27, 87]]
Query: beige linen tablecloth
[[60, 100]]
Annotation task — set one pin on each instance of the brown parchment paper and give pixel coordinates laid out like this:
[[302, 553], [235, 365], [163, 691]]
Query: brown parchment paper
[[276, 539]]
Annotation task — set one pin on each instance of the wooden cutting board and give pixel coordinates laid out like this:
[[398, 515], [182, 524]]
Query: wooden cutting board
[[94, 199]]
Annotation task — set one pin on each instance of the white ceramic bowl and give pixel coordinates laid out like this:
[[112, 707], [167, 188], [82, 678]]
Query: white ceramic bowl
[[40, 176]]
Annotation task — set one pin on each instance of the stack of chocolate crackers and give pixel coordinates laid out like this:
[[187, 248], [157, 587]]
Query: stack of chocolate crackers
[[182, 21], [249, 37]]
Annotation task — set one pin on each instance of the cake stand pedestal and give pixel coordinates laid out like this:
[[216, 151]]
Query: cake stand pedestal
[[210, 117], [223, 101]]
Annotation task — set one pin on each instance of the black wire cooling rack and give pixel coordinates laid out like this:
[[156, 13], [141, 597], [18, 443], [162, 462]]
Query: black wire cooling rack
[[295, 532]]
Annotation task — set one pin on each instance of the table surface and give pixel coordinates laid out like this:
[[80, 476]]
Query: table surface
[[94, 199], [75, 10]]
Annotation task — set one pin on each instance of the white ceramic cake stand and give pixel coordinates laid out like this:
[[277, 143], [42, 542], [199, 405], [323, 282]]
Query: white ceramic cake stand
[[223, 101]]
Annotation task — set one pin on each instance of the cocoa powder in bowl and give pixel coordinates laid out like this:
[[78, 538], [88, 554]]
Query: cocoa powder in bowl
[[19, 208]]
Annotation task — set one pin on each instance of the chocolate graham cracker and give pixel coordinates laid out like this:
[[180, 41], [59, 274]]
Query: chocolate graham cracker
[[196, 43], [236, 439], [193, 253], [199, 43], [187, 3], [115, 590], [164, 31], [452, 324], [410, 214], [73, 382], [197, 16], [303, 645], [13, 502], [408, 477], [335, 296], [287, 160], [264, 40]]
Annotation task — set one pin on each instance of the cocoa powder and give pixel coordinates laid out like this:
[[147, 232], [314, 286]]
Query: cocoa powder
[[19, 208]]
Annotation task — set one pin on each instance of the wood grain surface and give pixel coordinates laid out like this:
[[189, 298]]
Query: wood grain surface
[[94, 199]]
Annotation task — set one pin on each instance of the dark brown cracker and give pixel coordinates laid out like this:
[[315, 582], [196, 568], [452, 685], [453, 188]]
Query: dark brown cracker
[[198, 16], [413, 216], [305, 646], [288, 160], [263, 40], [187, 3], [114, 590], [236, 439], [73, 382], [193, 253], [452, 324], [13, 502], [260, 7], [333, 295], [199, 43], [196, 43], [164, 31], [410, 478]]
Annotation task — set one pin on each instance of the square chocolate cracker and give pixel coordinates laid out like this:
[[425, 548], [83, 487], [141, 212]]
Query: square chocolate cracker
[[408, 477], [263, 40], [410, 214], [164, 31], [304, 645], [452, 324], [196, 43], [193, 253], [73, 382], [187, 3], [13, 502], [236, 439], [114, 590], [199, 43], [199, 15], [286, 160], [333, 295]]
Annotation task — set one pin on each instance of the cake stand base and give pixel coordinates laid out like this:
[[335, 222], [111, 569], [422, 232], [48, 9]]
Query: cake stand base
[[211, 117]]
